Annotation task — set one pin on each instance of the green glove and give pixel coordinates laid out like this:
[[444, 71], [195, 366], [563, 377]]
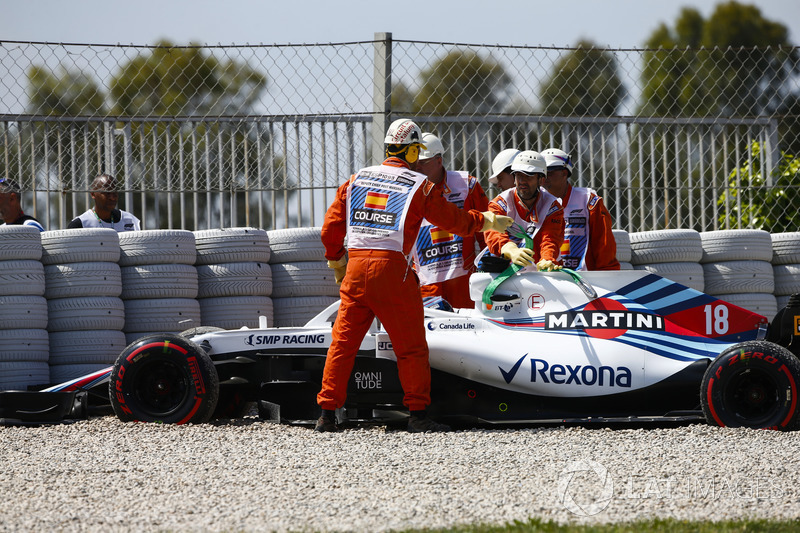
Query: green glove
[[518, 256], [339, 268]]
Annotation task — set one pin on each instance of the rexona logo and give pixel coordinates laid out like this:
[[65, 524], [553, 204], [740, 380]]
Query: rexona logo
[[604, 318], [264, 340], [589, 375]]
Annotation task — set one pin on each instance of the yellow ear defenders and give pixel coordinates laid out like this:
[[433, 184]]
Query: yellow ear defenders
[[412, 154]]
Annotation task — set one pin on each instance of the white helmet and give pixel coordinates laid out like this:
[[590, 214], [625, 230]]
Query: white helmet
[[501, 162], [403, 131], [556, 158], [529, 162], [433, 146]]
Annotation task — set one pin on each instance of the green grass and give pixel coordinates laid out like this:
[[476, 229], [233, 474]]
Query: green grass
[[650, 526]]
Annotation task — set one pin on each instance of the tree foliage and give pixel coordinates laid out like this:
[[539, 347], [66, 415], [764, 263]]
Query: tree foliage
[[584, 82], [463, 83], [171, 80], [63, 93], [710, 67], [754, 204]]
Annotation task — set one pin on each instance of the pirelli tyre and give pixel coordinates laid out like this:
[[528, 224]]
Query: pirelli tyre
[[143, 282], [23, 312], [739, 277], [688, 274], [623, 245], [164, 378], [736, 245], [230, 245], [24, 277], [296, 244], [80, 245], [72, 280], [234, 279], [665, 246], [156, 247], [785, 248], [304, 278], [20, 242], [752, 384]]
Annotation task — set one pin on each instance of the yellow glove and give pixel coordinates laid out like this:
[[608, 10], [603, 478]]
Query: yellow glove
[[495, 222], [339, 268], [545, 265], [518, 256]]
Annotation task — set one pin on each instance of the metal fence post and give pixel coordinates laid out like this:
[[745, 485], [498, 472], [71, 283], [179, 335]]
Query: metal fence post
[[381, 93]]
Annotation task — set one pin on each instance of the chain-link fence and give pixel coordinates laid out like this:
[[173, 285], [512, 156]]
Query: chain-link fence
[[215, 136]]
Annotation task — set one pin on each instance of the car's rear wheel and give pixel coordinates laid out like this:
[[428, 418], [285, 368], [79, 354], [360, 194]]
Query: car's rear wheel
[[164, 378], [752, 384]]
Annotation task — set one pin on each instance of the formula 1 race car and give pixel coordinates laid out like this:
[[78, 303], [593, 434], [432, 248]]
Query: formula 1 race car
[[538, 348]]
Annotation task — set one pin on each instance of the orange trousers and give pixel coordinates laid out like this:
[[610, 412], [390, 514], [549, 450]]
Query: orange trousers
[[374, 287]]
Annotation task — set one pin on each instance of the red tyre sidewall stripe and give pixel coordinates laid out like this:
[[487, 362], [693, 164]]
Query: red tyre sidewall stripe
[[711, 403], [794, 395], [197, 402], [160, 344]]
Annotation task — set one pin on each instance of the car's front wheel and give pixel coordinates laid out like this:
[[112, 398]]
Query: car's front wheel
[[752, 384], [164, 378]]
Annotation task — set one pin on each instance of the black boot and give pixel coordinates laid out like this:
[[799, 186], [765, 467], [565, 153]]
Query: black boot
[[420, 423], [327, 421]]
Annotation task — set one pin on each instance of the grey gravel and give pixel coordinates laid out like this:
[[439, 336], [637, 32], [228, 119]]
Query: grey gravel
[[250, 475]]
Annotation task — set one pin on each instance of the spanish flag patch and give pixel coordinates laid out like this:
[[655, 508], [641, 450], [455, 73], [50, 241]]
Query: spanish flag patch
[[440, 235], [376, 200]]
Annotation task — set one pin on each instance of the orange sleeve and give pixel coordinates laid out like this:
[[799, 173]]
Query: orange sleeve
[[334, 227], [494, 239], [602, 253], [547, 243], [477, 200], [433, 206]]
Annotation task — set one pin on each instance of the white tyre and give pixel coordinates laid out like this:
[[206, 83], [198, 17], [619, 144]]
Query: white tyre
[[623, 265], [760, 303], [22, 277], [20, 376], [787, 279], [688, 274], [23, 312], [158, 246], [623, 245], [24, 345], [739, 277], [86, 347], [80, 245], [234, 279], [305, 278], [168, 315], [231, 245], [665, 246], [233, 312], [91, 312], [20, 242], [785, 248], [62, 373], [298, 311], [296, 244], [159, 281], [71, 280], [736, 245]]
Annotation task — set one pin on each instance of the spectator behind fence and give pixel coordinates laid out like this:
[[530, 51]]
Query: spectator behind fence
[[11, 206], [105, 214], [588, 241]]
